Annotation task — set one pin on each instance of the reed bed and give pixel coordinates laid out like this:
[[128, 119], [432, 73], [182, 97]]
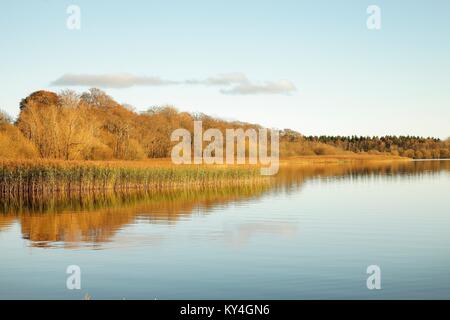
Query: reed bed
[[40, 177]]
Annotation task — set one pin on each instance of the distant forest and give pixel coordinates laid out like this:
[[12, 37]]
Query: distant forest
[[405, 146], [93, 126]]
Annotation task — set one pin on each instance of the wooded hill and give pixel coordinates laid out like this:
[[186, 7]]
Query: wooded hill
[[93, 126]]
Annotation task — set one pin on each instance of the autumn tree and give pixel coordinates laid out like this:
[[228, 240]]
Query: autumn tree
[[13, 145], [117, 123], [41, 97], [64, 130]]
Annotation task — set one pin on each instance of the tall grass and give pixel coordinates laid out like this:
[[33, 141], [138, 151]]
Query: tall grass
[[42, 176]]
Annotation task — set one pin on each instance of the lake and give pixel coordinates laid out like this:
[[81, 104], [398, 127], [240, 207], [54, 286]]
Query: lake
[[309, 233]]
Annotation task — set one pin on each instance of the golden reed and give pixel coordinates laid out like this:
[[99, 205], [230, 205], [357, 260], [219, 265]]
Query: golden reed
[[46, 176]]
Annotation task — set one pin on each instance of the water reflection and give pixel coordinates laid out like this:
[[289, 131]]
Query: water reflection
[[95, 218], [72, 221]]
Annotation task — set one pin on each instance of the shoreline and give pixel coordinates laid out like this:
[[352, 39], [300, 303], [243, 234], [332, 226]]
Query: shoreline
[[167, 162], [341, 159]]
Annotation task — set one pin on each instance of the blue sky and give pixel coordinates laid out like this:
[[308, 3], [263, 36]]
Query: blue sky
[[347, 79]]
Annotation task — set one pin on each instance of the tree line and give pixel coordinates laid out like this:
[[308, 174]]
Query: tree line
[[405, 146], [93, 126]]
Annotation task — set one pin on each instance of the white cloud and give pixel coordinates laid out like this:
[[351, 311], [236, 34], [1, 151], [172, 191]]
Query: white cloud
[[232, 83], [118, 80], [224, 79], [278, 87], [227, 79]]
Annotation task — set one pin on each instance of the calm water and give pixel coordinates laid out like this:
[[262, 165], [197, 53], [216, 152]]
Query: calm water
[[311, 233]]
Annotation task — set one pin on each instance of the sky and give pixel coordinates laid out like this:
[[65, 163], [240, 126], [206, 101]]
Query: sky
[[311, 66]]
